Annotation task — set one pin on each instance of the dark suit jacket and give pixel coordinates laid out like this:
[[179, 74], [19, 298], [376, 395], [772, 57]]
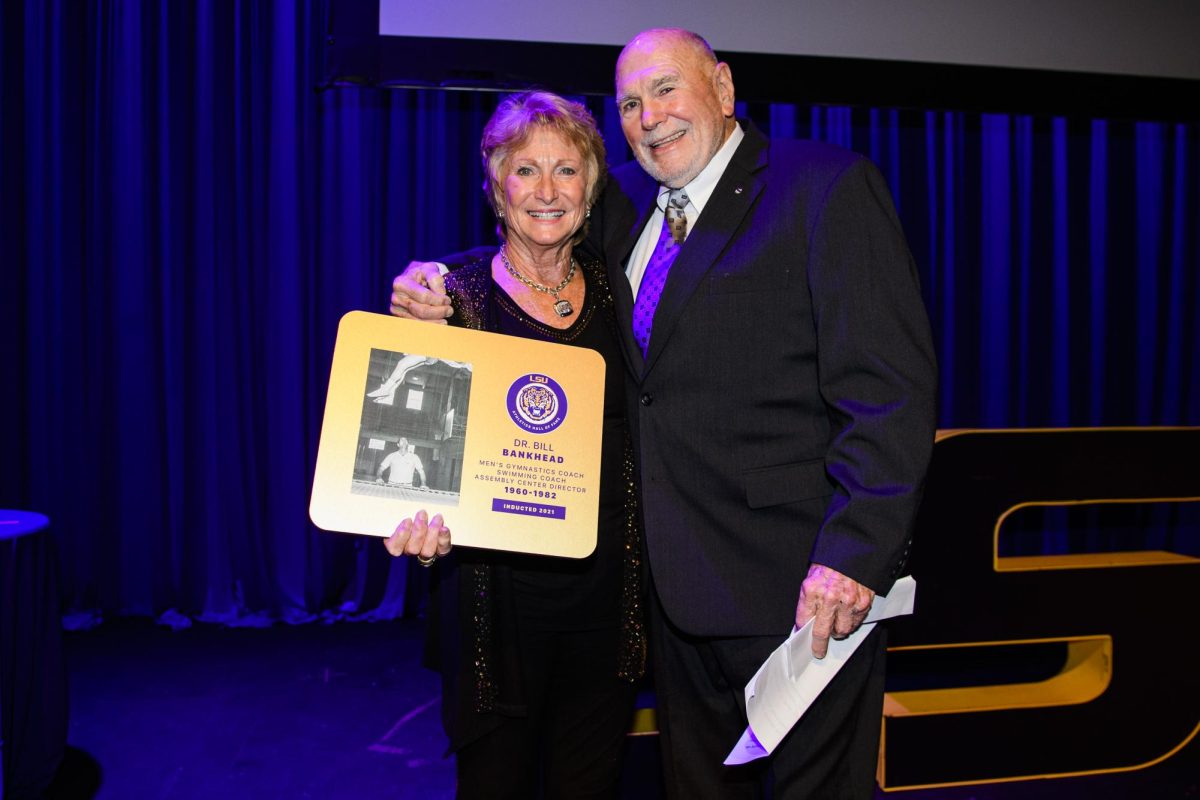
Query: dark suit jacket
[[785, 411]]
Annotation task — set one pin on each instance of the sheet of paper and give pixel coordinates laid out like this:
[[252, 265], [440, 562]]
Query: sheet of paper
[[791, 678]]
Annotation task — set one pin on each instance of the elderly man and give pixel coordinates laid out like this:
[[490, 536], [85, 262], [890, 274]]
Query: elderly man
[[782, 398]]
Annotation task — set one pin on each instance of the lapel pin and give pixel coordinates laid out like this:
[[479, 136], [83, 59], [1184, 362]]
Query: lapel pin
[[737, 190]]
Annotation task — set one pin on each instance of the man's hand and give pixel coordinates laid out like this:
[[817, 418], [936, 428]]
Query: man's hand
[[839, 605], [421, 536], [420, 293]]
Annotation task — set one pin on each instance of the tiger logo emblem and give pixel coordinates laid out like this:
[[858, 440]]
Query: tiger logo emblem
[[537, 403]]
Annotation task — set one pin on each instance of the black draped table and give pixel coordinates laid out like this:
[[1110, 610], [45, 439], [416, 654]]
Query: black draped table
[[33, 677]]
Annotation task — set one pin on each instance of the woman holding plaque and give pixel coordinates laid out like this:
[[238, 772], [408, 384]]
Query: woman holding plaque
[[538, 654]]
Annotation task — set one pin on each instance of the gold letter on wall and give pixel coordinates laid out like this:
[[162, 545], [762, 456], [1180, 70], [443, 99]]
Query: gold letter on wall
[[1127, 694]]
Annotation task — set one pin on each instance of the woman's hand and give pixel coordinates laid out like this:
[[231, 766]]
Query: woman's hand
[[427, 539]]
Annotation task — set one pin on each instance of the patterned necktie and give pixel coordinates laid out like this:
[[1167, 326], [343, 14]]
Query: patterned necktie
[[674, 230]]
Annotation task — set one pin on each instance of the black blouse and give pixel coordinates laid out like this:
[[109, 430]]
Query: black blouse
[[482, 598], [568, 593]]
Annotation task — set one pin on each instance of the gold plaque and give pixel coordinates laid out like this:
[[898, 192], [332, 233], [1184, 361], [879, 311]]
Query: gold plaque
[[500, 435]]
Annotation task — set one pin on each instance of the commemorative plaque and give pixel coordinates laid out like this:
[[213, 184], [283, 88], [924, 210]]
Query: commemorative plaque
[[500, 435]]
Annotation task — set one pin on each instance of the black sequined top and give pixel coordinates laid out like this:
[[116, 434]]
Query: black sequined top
[[495, 588]]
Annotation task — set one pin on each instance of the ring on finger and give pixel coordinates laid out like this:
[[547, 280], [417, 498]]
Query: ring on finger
[[427, 562]]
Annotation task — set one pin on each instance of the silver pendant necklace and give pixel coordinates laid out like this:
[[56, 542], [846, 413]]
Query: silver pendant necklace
[[561, 307]]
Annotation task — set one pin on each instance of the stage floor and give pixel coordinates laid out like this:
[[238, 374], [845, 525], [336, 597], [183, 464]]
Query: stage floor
[[339, 711]]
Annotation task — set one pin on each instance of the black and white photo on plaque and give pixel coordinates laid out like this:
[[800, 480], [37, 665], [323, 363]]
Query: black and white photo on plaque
[[413, 426]]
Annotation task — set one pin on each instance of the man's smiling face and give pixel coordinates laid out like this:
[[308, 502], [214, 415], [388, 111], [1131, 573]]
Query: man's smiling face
[[676, 105]]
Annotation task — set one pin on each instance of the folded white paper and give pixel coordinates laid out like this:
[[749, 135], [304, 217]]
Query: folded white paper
[[791, 678]]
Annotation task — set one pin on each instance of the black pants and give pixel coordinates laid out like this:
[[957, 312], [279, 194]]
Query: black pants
[[701, 709], [570, 742]]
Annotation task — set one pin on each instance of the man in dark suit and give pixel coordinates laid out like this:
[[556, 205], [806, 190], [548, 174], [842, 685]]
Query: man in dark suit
[[782, 397]]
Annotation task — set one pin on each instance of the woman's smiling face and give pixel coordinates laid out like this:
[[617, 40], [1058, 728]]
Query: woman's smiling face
[[544, 191]]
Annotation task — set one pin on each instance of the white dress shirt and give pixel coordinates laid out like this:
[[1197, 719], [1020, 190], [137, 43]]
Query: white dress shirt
[[698, 192]]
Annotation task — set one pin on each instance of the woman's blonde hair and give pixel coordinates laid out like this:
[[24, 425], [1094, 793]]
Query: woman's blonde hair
[[510, 127]]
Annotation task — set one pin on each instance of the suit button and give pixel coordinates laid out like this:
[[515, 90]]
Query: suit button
[[647, 399]]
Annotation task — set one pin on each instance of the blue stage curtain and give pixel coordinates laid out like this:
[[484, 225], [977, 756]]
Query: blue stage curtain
[[185, 219]]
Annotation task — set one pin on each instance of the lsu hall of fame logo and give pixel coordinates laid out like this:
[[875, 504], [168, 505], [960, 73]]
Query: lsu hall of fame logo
[[537, 403]]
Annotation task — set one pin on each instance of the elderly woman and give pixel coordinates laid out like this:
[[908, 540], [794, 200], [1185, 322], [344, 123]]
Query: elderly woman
[[538, 654]]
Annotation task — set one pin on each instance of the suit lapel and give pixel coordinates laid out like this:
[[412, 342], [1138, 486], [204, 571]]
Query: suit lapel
[[723, 214], [643, 192]]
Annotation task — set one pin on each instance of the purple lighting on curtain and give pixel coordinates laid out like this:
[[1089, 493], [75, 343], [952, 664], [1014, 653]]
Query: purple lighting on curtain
[[783, 119], [1060, 343], [1149, 137], [1098, 261], [1177, 291], [931, 285], [894, 160], [951, 174], [996, 269], [1023, 178]]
